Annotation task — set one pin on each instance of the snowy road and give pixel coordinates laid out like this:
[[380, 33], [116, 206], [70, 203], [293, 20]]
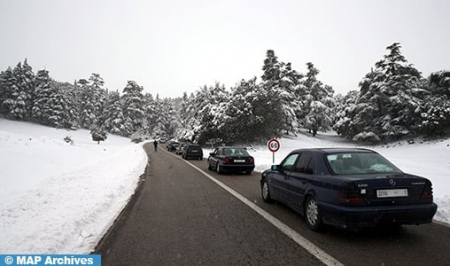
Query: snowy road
[[180, 217]]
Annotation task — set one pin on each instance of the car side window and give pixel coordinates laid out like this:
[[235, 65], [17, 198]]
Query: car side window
[[288, 163], [305, 164]]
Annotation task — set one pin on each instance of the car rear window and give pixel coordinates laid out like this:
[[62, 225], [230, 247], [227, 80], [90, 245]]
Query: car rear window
[[360, 163], [235, 152]]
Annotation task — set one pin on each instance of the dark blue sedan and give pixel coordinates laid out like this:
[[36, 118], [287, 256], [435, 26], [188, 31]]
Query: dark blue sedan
[[348, 188]]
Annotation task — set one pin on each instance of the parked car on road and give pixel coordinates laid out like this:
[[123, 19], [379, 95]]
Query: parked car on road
[[180, 148], [348, 188], [231, 159], [193, 151], [172, 145]]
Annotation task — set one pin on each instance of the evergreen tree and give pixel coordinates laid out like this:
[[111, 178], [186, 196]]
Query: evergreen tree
[[87, 108], [43, 109], [317, 102], [7, 89], [435, 110], [112, 117], [284, 81], [133, 107], [389, 99], [98, 134], [19, 102]]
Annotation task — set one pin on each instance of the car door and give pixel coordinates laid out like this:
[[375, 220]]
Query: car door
[[278, 180], [300, 179], [212, 160]]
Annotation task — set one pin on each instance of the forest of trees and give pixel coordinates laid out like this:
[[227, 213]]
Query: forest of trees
[[393, 101], [84, 104]]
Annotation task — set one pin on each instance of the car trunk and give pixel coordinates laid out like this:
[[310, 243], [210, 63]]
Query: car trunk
[[382, 190]]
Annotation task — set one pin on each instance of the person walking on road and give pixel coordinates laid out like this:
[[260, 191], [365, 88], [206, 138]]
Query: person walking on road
[[155, 143]]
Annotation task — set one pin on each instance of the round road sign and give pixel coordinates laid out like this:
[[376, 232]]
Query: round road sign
[[273, 145]]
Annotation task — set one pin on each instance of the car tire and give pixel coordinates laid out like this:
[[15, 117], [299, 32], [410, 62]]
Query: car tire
[[209, 166], [312, 214], [248, 172], [265, 192]]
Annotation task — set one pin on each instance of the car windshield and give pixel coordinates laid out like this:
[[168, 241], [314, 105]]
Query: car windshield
[[360, 163], [235, 152]]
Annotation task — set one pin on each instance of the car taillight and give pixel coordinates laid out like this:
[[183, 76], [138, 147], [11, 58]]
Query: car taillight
[[348, 193], [226, 160], [251, 160], [427, 192]]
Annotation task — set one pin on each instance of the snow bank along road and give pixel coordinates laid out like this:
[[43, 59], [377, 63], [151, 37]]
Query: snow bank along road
[[181, 217]]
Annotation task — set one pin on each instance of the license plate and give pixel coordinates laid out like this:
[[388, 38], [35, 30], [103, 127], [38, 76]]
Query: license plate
[[194, 150], [239, 161], [392, 193]]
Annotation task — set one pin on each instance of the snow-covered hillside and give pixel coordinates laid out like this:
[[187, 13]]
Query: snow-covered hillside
[[58, 197]]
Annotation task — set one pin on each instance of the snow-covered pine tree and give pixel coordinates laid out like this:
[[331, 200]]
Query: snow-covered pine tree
[[112, 116], [133, 107], [87, 111], [96, 84], [98, 133], [284, 81], [210, 103], [343, 112], [389, 100], [7, 88], [20, 101], [254, 113], [317, 102], [435, 112], [42, 105]]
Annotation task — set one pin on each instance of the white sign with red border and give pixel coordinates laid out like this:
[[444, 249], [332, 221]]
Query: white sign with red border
[[273, 145]]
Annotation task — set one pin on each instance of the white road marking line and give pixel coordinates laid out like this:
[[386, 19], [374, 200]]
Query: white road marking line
[[291, 233]]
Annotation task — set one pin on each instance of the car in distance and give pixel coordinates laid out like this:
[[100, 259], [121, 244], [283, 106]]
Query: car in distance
[[231, 159], [172, 146], [192, 151], [180, 148], [349, 189]]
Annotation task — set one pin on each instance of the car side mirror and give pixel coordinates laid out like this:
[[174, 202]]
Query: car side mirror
[[211, 154], [276, 167]]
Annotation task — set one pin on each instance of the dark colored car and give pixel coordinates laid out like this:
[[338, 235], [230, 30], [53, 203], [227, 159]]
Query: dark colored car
[[193, 151], [231, 159], [172, 146], [348, 188], [179, 150]]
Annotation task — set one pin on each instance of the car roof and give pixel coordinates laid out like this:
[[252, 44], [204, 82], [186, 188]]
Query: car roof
[[333, 150]]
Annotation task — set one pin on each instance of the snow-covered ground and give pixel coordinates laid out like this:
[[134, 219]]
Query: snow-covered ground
[[58, 197]]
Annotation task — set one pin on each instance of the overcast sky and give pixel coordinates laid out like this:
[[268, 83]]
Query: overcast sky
[[176, 46]]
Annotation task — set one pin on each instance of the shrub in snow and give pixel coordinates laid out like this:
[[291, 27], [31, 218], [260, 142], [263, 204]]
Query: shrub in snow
[[68, 140], [98, 134], [369, 137]]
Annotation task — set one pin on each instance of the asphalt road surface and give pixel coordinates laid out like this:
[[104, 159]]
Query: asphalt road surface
[[180, 216]]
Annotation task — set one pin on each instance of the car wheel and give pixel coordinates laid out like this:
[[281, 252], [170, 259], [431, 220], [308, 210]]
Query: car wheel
[[248, 172], [218, 169], [312, 215], [265, 192], [209, 166]]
